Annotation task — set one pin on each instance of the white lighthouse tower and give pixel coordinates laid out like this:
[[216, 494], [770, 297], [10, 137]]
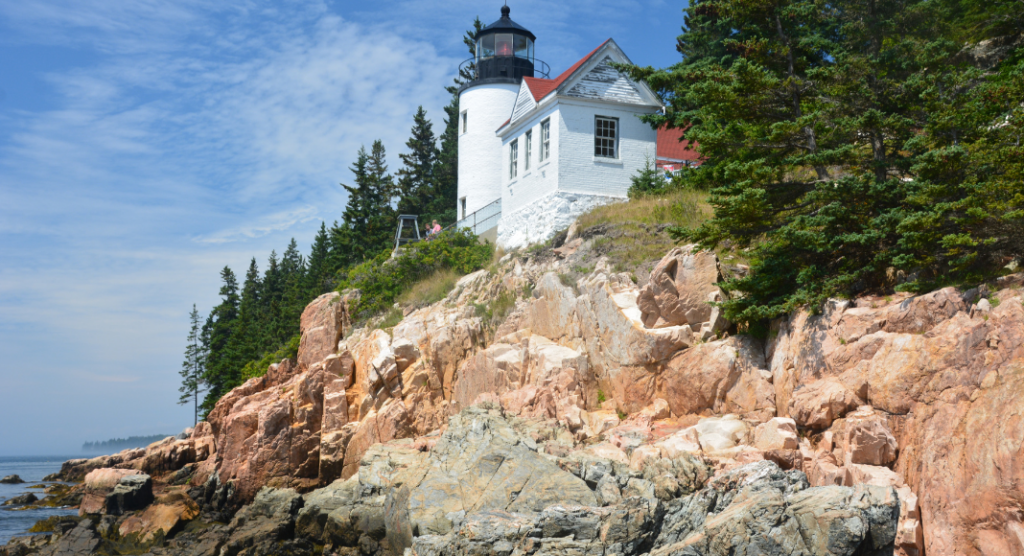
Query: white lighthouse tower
[[504, 56]]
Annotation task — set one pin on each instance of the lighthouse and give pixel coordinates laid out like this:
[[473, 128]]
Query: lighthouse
[[504, 56], [535, 152]]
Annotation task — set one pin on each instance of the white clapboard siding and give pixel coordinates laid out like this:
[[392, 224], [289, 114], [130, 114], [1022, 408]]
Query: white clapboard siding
[[605, 83], [524, 102]]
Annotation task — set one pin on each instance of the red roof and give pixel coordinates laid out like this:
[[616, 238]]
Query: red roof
[[541, 87], [672, 146]]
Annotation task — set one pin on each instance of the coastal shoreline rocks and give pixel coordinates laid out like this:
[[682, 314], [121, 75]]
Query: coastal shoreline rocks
[[599, 415]]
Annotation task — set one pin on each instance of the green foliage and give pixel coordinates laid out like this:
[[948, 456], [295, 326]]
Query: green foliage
[[601, 397], [648, 181], [567, 279], [258, 368], [846, 141], [382, 279], [194, 366]]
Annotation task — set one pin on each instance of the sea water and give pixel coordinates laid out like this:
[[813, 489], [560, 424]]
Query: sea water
[[31, 470]]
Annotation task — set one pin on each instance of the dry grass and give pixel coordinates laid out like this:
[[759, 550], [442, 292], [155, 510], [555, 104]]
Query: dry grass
[[681, 208], [632, 234], [430, 290]]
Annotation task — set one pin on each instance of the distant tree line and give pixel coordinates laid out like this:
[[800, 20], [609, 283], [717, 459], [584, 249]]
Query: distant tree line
[[851, 147], [118, 444], [257, 321]]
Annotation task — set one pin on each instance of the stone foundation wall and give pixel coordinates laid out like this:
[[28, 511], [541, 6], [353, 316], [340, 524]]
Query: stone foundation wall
[[542, 218]]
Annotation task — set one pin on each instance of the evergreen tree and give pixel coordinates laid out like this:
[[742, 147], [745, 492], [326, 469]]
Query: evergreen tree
[[244, 343], [318, 276], [369, 221], [416, 177], [192, 369], [648, 181], [217, 332], [834, 136]]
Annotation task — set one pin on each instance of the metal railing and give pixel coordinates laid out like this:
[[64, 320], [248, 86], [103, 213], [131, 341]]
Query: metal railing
[[541, 68], [482, 219]]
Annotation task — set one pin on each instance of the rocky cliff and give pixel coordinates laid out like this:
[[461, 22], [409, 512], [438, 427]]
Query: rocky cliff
[[551, 405]]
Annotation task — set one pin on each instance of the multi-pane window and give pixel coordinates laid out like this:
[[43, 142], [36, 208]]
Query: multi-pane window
[[513, 159], [529, 150], [606, 137], [465, 121], [545, 140]]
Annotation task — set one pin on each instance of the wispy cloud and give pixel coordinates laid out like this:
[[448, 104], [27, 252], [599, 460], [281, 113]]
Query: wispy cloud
[[177, 136]]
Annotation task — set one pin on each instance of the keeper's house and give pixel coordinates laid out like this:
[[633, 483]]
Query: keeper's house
[[534, 152]]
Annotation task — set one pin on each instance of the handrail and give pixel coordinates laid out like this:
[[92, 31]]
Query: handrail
[[485, 217], [540, 67]]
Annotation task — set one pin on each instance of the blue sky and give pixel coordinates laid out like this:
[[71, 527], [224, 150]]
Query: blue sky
[[144, 144]]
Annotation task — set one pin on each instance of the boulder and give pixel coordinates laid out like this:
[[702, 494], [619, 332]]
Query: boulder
[[778, 433], [164, 518], [717, 435], [866, 439], [21, 500], [132, 492], [11, 480], [725, 376], [818, 404], [679, 289], [481, 463]]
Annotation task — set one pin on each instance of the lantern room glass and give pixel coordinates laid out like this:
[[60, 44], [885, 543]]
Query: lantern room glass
[[505, 44], [485, 47]]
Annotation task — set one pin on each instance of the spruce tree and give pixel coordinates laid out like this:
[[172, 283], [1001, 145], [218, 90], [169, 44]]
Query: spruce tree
[[319, 274], [193, 367], [243, 345], [416, 177], [217, 332], [846, 144]]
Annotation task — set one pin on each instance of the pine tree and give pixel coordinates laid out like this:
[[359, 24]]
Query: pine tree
[[369, 221], [217, 332], [243, 345], [842, 144], [194, 366], [416, 177], [318, 276], [648, 181]]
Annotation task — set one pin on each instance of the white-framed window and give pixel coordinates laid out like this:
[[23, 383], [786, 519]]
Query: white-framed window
[[513, 159], [545, 140], [462, 205], [465, 121], [606, 137], [528, 152]]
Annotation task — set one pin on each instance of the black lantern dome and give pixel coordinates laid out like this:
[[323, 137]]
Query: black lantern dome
[[504, 51]]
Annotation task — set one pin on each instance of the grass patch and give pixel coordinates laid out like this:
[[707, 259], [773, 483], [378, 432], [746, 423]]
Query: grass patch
[[495, 312], [687, 208], [994, 301], [431, 289], [633, 234], [567, 280], [391, 319]]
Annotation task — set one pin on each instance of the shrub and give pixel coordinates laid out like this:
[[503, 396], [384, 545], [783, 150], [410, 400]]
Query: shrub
[[383, 279], [258, 368]]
